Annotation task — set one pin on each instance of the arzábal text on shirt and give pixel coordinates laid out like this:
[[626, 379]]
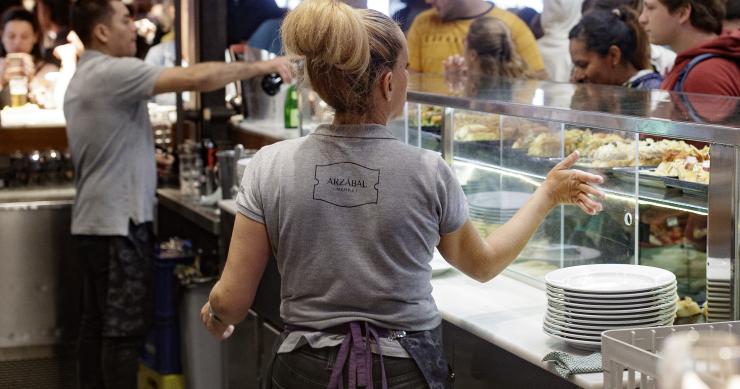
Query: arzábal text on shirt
[[346, 184]]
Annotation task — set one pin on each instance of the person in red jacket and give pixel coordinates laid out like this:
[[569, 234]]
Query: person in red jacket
[[707, 60]]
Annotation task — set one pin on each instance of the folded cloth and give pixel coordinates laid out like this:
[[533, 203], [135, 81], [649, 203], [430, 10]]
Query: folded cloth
[[566, 364]]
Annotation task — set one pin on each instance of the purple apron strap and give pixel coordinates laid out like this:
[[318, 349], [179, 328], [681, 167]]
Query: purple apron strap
[[370, 330], [337, 380], [357, 359], [360, 357]]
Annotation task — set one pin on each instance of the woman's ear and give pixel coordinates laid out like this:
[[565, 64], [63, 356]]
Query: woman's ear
[[615, 55], [387, 84]]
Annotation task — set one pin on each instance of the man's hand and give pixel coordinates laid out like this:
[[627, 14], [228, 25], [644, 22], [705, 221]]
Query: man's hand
[[214, 325], [279, 65]]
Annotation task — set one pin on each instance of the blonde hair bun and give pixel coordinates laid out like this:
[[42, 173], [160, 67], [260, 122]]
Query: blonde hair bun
[[328, 32], [341, 51]]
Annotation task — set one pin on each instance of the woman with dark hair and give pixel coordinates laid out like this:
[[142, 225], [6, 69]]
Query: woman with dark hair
[[610, 47], [20, 37], [661, 57]]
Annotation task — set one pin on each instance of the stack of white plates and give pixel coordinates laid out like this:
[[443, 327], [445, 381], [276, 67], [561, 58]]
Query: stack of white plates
[[495, 207], [583, 301]]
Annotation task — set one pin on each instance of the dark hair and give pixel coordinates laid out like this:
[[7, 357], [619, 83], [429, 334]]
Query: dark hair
[[733, 10], [619, 27], [86, 14], [706, 15], [58, 11], [21, 14], [608, 5]]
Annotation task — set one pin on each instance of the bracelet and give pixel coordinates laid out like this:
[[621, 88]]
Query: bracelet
[[213, 315]]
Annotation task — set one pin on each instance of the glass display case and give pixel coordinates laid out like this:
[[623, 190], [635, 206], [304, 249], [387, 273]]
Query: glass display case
[[663, 207]]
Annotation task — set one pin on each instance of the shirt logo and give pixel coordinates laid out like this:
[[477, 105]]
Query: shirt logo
[[346, 184]]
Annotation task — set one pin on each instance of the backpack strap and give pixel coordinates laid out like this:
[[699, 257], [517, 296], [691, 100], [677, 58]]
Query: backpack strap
[[649, 79], [678, 87]]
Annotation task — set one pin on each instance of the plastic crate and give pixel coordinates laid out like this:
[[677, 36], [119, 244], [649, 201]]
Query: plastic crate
[[150, 379], [165, 286], [636, 350], [162, 347]]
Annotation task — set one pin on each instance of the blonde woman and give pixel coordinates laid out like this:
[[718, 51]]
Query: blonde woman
[[352, 216]]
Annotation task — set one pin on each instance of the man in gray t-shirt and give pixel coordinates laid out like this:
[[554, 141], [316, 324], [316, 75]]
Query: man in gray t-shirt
[[111, 142]]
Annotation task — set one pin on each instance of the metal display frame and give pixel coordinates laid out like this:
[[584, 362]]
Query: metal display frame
[[704, 118]]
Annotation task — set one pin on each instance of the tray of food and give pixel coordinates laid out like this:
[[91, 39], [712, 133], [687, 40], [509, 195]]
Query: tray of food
[[687, 187], [645, 175], [594, 166]]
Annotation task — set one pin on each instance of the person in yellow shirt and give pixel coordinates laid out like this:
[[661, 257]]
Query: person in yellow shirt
[[440, 32]]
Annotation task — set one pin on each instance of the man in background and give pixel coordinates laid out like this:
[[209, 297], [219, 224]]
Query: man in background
[[440, 32], [111, 142], [707, 60]]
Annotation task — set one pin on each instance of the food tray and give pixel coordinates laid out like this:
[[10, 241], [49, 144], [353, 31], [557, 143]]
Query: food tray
[[687, 187], [636, 351], [587, 165], [481, 150], [437, 130], [644, 176], [546, 161]]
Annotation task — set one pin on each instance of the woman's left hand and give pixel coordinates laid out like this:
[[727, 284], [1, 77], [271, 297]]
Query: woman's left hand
[[566, 186], [214, 325]]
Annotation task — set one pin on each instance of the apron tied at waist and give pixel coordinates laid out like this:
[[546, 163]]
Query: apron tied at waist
[[360, 359], [424, 347]]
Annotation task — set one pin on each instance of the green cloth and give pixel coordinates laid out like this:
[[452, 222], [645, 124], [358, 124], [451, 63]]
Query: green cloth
[[566, 364]]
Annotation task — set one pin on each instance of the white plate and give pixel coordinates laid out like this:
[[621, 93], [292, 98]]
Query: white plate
[[610, 278], [607, 316], [669, 295], [439, 264], [614, 311], [593, 338], [633, 321], [604, 327], [599, 304], [607, 296], [580, 344]]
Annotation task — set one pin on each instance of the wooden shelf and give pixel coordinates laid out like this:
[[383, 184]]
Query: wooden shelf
[[32, 138]]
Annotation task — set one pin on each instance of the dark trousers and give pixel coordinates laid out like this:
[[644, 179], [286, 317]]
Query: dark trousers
[[307, 368], [116, 307]]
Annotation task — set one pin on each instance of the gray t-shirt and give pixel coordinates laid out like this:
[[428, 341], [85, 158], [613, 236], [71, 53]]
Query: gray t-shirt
[[353, 216], [111, 141]]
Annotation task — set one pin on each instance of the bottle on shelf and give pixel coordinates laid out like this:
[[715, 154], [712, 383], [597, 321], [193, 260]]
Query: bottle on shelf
[[291, 108]]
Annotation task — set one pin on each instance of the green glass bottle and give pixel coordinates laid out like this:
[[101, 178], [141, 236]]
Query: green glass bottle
[[291, 108]]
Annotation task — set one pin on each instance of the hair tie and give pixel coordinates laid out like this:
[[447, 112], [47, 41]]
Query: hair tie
[[617, 12]]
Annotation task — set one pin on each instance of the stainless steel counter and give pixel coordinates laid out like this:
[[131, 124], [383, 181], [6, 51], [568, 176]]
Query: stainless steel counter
[[43, 193], [203, 216]]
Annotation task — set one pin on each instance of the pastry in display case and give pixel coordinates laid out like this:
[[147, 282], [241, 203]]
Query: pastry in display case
[[656, 169]]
